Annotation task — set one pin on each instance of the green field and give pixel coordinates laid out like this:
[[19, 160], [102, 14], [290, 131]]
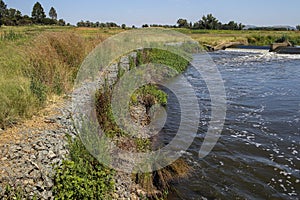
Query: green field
[[252, 37], [38, 62]]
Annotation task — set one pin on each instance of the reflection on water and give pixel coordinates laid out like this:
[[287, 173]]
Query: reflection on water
[[257, 156]]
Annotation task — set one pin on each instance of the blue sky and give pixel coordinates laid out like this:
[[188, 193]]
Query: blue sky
[[138, 12]]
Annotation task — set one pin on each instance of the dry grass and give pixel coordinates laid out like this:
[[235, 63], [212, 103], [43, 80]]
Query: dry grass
[[154, 184], [38, 62], [54, 60]]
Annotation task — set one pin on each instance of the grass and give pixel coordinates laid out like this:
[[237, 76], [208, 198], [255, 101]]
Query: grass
[[253, 37], [16, 98], [37, 62]]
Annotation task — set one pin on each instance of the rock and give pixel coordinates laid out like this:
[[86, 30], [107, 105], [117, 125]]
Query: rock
[[28, 182], [4, 159], [134, 197], [124, 63], [62, 152], [32, 157], [115, 196], [56, 161], [50, 120], [16, 148], [26, 149]]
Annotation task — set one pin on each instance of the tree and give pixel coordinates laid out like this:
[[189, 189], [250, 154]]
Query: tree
[[298, 27], [182, 23], [123, 26], [12, 17], [25, 20], [241, 26], [2, 10], [231, 26], [61, 22], [38, 13], [209, 22], [52, 13]]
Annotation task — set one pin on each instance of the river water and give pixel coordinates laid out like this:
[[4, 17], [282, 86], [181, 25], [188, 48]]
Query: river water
[[257, 155]]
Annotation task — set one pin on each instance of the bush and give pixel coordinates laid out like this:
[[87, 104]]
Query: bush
[[82, 177]]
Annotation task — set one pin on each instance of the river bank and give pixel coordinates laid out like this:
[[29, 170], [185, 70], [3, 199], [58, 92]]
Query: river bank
[[29, 149]]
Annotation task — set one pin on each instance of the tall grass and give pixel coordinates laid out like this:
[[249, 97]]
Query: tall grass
[[10, 35], [16, 98], [54, 60], [36, 63]]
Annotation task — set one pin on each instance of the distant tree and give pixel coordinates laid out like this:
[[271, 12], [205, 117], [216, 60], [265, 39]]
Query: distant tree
[[230, 26], [80, 24], [111, 24], [241, 26], [145, 26], [38, 13], [102, 25], [49, 21], [298, 27], [209, 22], [133, 26], [196, 25], [12, 17], [123, 26], [2, 10], [53, 13], [25, 20], [61, 22], [182, 23]]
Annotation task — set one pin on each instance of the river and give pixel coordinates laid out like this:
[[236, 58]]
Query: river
[[257, 155]]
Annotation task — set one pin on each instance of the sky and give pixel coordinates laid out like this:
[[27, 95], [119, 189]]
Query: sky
[[138, 12]]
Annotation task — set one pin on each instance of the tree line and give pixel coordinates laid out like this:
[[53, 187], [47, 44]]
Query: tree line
[[209, 22], [14, 17], [98, 24]]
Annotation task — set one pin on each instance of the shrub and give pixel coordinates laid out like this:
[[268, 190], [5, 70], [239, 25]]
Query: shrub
[[82, 177]]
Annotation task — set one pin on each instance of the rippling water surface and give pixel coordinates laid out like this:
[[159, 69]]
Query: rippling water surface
[[257, 156]]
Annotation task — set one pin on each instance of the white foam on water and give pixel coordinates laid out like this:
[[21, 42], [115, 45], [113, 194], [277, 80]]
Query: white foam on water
[[247, 50]]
